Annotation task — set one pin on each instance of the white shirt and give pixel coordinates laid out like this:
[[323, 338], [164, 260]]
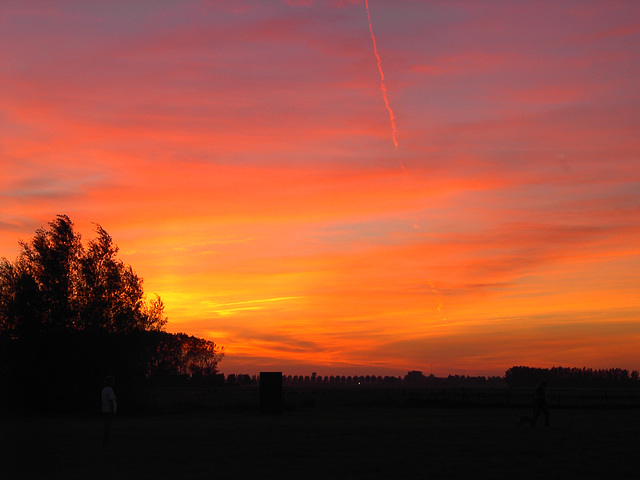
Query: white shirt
[[107, 395]]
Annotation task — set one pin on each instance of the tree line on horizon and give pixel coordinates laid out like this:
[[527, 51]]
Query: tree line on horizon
[[70, 315], [572, 377], [517, 376]]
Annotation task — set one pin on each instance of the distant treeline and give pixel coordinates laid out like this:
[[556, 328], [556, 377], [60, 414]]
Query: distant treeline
[[518, 376], [413, 378], [572, 377]]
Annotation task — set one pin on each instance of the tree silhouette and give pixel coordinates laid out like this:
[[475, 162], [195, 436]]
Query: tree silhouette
[[111, 296], [571, 377], [70, 315]]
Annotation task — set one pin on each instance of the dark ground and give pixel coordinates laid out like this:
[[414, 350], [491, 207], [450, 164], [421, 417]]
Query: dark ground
[[325, 443]]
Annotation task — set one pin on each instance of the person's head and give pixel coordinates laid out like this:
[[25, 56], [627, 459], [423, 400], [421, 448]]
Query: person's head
[[109, 381]]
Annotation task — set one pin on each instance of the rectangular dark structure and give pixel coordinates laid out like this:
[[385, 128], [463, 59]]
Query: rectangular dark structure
[[271, 392]]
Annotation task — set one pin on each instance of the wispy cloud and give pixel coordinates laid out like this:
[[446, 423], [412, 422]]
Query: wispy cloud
[[234, 307]]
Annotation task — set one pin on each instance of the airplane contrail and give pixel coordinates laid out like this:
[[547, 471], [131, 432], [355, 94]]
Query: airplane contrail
[[383, 87]]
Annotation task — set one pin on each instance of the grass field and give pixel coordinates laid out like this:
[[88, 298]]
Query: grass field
[[327, 443]]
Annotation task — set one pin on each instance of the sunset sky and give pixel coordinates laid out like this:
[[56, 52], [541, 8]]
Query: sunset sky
[[241, 154]]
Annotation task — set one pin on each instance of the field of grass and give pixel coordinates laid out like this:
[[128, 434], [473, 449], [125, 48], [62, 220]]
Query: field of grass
[[327, 443]]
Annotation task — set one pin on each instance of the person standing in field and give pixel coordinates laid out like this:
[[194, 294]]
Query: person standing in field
[[541, 404], [109, 407]]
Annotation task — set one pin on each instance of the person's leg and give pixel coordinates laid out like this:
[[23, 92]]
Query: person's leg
[[546, 416], [107, 419]]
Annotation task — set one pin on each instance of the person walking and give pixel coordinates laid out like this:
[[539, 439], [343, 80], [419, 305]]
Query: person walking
[[541, 404], [109, 407]]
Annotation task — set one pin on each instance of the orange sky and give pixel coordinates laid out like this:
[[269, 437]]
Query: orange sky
[[241, 155]]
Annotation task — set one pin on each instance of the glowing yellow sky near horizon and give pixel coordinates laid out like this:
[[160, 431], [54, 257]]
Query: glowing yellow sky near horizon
[[239, 156]]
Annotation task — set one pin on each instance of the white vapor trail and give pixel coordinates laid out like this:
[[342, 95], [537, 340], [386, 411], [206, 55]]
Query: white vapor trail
[[383, 87]]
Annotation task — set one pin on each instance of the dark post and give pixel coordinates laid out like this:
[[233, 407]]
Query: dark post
[[271, 392]]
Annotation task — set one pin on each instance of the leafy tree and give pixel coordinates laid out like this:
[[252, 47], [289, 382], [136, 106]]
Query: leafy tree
[[39, 288], [55, 285], [182, 354], [70, 315], [111, 295]]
